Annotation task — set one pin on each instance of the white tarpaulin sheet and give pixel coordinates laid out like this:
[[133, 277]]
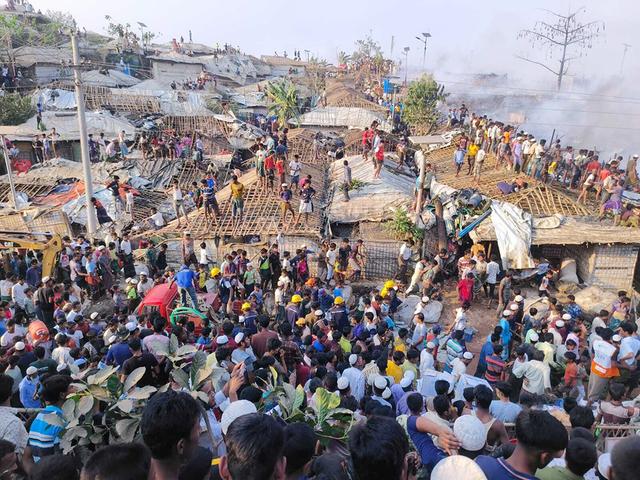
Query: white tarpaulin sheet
[[513, 232]]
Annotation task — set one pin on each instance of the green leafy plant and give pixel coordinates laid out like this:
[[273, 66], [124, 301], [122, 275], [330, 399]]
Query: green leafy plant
[[328, 421], [402, 227], [15, 109], [117, 422], [283, 99], [421, 103], [357, 184]]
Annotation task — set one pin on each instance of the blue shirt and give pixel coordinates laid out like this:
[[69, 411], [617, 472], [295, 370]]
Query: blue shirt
[[499, 469], [505, 412], [487, 350], [33, 276], [459, 156], [429, 453], [44, 436], [118, 353], [184, 278], [28, 388]]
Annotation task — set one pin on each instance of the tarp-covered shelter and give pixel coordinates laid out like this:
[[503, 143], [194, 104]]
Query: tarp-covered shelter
[[375, 199], [340, 117]]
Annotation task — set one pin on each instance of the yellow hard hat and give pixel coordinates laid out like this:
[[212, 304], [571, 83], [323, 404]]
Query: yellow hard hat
[[246, 306], [389, 284], [215, 271], [339, 301], [300, 322], [296, 298]]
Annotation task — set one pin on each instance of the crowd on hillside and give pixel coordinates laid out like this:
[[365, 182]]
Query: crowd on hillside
[[418, 406]]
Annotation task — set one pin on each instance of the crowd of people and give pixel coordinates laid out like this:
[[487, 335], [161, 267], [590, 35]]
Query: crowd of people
[[577, 170], [418, 407]]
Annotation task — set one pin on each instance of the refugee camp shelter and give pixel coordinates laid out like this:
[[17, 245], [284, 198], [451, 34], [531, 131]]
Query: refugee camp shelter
[[282, 66], [340, 118], [372, 204], [43, 64], [561, 228], [66, 125]]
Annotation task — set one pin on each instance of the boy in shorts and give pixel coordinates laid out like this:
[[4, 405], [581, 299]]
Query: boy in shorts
[[285, 202]]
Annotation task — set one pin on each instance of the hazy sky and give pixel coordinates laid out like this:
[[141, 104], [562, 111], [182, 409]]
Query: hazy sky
[[468, 37], [472, 37]]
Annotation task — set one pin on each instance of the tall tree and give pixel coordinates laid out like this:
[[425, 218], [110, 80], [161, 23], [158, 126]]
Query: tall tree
[[421, 104], [283, 99], [565, 37]]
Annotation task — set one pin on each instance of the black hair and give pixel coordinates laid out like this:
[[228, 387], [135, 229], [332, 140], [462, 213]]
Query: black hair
[[168, 418], [6, 385], [368, 439], [581, 417], [441, 404], [56, 467], [6, 447], [581, 455], [53, 387], [251, 393], [537, 429], [299, 446], [569, 403], [484, 396], [255, 443], [505, 388], [441, 387], [625, 461], [198, 466], [114, 462], [616, 390], [468, 394], [415, 402]]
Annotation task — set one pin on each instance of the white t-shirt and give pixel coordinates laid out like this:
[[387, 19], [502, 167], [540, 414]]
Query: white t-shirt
[[405, 251], [177, 193], [461, 320], [480, 155], [125, 247], [5, 288], [331, 257], [158, 219], [427, 362], [492, 272], [294, 168], [204, 258]]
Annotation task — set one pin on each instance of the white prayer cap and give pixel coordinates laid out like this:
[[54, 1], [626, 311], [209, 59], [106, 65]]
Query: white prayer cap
[[467, 355], [457, 466], [566, 316], [471, 432], [235, 410], [343, 383], [380, 382], [353, 358]]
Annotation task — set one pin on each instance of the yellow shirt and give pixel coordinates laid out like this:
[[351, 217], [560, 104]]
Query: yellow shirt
[[399, 345], [406, 366], [237, 189], [473, 149], [345, 345], [394, 371]]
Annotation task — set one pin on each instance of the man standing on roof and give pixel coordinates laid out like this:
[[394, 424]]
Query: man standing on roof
[[237, 200], [211, 208], [178, 202], [306, 202]]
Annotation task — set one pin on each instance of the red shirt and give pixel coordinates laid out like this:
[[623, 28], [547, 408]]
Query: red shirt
[[571, 375], [593, 165], [380, 153], [604, 174], [280, 167], [269, 163]]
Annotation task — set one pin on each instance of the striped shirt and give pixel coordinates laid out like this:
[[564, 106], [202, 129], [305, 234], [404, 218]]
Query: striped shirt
[[44, 437], [454, 350], [495, 367]]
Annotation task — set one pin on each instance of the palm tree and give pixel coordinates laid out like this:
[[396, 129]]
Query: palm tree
[[284, 100]]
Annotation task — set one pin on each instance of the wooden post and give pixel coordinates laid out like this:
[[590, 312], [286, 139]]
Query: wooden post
[[442, 229]]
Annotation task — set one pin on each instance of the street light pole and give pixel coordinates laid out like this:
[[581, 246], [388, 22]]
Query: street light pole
[[406, 64], [84, 143], [423, 40]]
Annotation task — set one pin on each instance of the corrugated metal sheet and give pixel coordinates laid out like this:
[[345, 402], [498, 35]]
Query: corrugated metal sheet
[[349, 117]]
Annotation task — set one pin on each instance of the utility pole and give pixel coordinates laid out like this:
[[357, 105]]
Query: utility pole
[[406, 64], [84, 143], [5, 151], [624, 54], [423, 40], [419, 159]]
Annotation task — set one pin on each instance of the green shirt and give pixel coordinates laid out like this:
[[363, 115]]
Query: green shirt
[[557, 473], [345, 345]]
